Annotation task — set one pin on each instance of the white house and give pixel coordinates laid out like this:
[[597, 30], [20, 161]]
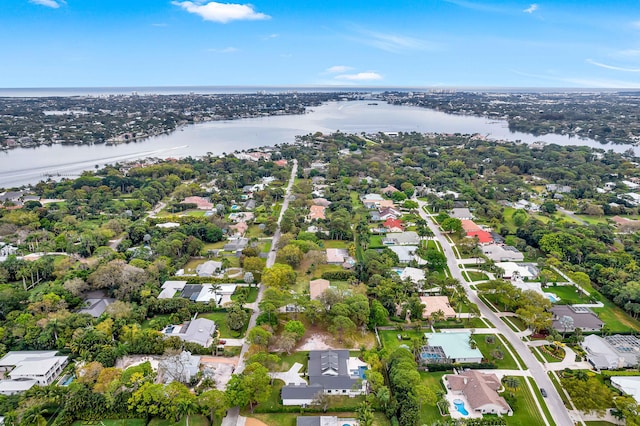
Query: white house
[[480, 390], [29, 368]]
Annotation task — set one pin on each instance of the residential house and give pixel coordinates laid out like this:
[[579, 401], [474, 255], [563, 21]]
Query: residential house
[[480, 390], [630, 198], [198, 331], [280, 163], [209, 268], [445, 348], [317, 213], [375, 215], [6, 250], [241, 217], [405, 253], [393, 225], [389, 189], [250, 204], [26, 369], [628, 385], [626, 225], [611, 352], [434, 304], [415, 275], [325, 421], [240, 228], [502, 253], [461, 213], [372, 201], [201, 203], [581, 317], [95, 306], [336, 256], [170, 288], [408, 238], [332, 372], [317, 287], [389, 213], [483, 237], [168, 225], [321, 202], [515, 271], [236, 245], [563, 189], [179, 368]]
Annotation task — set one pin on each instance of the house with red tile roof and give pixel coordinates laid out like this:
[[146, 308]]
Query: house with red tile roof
[[202, 203], [317, 213], [393, 225], [483, 237]]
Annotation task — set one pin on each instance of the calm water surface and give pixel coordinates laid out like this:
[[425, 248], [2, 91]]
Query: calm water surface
[[24, 166]]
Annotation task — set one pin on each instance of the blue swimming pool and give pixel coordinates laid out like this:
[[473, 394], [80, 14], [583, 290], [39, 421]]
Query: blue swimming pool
[[552, 297], [67, 381], [429, 356], [459, 404]]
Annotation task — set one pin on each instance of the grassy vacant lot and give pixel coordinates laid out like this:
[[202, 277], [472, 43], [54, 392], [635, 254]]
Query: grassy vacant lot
[[335, 244], [476, 276], [490, 351], [526, 412], [220, 319], [430, 413], [289, 419], [389, 338]]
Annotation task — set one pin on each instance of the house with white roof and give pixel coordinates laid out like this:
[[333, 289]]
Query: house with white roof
[[513, 271], [29, 368], [612, 352], [407, 238], [502, 253], [198, 331], [415, 275], [170, 288], [628, 385], [405, 253]]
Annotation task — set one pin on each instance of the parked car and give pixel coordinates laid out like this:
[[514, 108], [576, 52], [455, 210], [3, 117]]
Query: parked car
[[543, 392]]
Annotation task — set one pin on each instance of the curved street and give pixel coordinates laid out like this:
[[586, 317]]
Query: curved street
[[558, 411]]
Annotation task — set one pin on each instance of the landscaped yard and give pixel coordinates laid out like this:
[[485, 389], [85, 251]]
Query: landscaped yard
[[568, 294], [495, 351], [289, 360], [194, 420], [220, 319], [375, 241], [289, 419], [430, 413], [252, 296], [476, 276], [389, 338], [335, 244], [615, 318], [526, 411]]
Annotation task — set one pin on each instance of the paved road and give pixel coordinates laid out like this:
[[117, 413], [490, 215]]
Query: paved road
[[558, 411], [233, 415]]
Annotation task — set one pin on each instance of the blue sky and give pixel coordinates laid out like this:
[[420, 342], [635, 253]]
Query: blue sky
[[411, 43]]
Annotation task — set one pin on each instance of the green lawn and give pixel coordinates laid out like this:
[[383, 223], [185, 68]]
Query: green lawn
[[335, 244], [541, 400], [599, 423], [194, 420], [430, 413], [221, 324], [615, 318], [568, 294], [375, 241], [389, 338], [476, 276], [289, 360], [518, 324], [252, 297], [507, 361], [526, 412], [289, 419]]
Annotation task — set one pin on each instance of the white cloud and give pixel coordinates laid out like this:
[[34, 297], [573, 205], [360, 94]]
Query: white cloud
[[531, 8], [270, 36], [392, 42], [54, 4], [338, 69], [221, 12], [229, 49], [629, 52], [361, 76], [476, 6], [612, 67], [159, 24]]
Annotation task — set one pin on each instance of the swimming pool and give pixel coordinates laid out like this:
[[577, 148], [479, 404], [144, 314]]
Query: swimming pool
[[429, 356], [552, 297], [459, 404], [67, 381]]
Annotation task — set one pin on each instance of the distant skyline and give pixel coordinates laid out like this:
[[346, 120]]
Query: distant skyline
[[427, 43]]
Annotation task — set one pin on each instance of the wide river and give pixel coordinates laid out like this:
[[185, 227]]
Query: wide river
[[26, 166]]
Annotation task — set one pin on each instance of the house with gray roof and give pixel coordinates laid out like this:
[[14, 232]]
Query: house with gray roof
[[407, 238], [325, 421], [405, 253], [581, 318], [96, 306], [179, 368], [209, 268], [332, 372], [198, 331]]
